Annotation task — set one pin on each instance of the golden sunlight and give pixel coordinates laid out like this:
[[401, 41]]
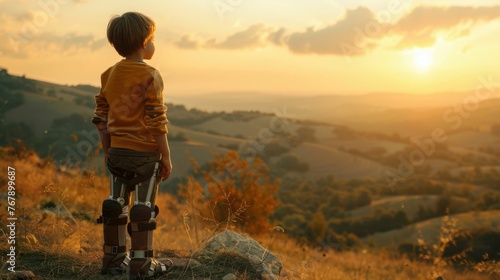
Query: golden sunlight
[[422, 59]]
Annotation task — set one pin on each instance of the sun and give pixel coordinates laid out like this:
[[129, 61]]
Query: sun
[[422, 59]]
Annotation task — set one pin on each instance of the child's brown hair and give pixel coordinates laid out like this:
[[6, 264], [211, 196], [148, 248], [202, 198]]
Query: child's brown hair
[[129, 32]]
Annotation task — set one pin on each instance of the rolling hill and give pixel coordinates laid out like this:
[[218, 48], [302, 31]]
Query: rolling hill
[[327, 149], [332, 154], [429, 230]]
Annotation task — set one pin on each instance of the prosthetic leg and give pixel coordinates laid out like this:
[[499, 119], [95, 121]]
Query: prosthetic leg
[[142, 224], [114, 219]]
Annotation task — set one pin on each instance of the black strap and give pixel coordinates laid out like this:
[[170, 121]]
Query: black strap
[[110, 249], [142, 226], [147, 254], [112, 221]]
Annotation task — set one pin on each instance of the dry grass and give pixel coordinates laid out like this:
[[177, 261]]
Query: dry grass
[[63, 242], [315, 263]]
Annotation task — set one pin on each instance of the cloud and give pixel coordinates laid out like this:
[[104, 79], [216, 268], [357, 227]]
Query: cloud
[[277, 37], [74, 42], [191, 41], [358, 32], [24, 37], [252, 37], [333, 39], [345, 37], [47, 44], [422, 26], [352, 35]]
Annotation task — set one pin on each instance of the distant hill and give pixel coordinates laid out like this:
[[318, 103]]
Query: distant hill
[[351, 137], [401, 113]]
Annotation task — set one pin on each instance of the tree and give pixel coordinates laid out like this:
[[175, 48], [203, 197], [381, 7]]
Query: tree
[[11, 132], [318, 227], [295, 223], [292, 162], [240, 193], [306, 133], [364, 198], [51, 93], [495, 129], [275, 149], [442, 205]]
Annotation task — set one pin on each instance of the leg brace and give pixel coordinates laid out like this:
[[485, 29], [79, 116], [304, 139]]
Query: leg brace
[[142, 223], [114, 219]]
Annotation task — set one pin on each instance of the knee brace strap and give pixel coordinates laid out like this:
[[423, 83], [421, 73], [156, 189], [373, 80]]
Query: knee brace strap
[[112, 221], [142, 226], [111, 210]]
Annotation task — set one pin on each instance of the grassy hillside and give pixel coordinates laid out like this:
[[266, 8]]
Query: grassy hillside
[[45, 109], [58, 239], [430, 230], [474, 139], [409, 203], [326, 161], [364, 181]]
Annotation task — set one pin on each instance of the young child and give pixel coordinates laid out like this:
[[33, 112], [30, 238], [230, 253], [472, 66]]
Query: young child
[[131, 118]]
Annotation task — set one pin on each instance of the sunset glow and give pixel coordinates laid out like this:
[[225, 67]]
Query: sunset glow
[[422, 59], [304, 48]]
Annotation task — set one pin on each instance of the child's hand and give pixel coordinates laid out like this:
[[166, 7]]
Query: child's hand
[[166, 168]]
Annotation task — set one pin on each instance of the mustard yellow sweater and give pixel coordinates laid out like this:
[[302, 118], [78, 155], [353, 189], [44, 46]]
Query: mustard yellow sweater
[[130, 105]]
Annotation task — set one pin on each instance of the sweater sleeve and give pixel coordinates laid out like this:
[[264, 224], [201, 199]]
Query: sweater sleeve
[[155, 114], [100, 118]]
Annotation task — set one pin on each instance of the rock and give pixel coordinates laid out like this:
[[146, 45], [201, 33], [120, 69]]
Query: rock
[[21, 275], [240, 254], [184, 262], [229, 276]]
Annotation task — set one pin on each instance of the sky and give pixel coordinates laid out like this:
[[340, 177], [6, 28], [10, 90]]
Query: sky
[[295, 47]]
